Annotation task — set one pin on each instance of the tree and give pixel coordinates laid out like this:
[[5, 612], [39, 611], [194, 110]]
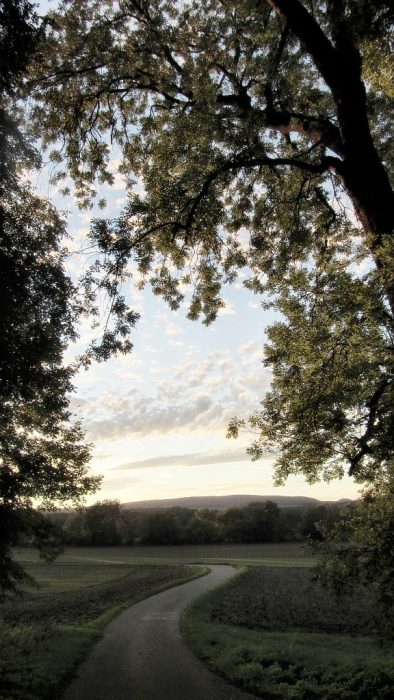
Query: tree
[[252, 117], [163, 527], [359, 552], [103, 524], [259, 116], [318, 521], [43, 459], [203, 527], [264, 522], [256, 522], [233, 524]]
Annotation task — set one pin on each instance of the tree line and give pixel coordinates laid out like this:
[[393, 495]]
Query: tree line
[[106, 523]]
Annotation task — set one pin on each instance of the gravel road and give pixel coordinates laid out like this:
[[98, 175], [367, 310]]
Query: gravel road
[[142, 655]]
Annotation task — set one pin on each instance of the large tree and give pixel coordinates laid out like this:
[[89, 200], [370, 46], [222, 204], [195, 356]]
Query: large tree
[[259, 118], [43, 459], [260, 131]]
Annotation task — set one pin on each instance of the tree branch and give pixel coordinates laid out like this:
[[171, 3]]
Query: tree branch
[[320, 129], [246, 161], [372, 405], [305, 27]]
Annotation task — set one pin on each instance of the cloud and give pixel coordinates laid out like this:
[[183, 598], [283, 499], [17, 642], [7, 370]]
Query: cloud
[[172, 329], [189, 395], [142, 395], [187, 460], [144, 416]]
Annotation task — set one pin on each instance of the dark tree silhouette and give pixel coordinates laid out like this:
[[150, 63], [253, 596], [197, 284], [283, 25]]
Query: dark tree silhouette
[[43, 459]]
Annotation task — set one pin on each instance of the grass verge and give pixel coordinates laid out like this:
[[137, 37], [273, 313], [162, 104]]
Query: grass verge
[[46, 634], [289, 664]]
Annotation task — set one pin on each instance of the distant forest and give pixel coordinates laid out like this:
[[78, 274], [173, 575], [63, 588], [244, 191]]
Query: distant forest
[[110, 523]]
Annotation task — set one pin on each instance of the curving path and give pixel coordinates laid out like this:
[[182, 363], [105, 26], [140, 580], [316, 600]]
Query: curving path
[[142, 655]]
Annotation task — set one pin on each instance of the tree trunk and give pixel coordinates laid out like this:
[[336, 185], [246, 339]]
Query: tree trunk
[[362, 171]]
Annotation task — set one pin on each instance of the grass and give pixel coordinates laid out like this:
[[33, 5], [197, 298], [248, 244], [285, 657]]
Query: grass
[[270, 633], [269, 600], [45, 634], [269, 630], [286, 554]]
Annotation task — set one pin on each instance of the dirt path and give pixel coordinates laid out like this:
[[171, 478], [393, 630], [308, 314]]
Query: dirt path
[[142, 655]]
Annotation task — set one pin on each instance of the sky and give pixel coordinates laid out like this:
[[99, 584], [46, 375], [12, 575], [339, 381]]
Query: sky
[[157, 418]]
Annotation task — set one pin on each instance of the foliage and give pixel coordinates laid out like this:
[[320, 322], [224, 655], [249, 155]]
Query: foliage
[[107, 523], [100, 524], [203, 527], [240, 117], [42, 455], [19, 35], [331, 398], [359, 553], [256, 522], [318, 522], [162, 527]]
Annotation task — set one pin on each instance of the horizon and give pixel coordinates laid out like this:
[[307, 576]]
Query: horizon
[[233, 497]]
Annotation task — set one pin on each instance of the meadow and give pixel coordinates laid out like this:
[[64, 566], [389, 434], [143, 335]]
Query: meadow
[[237, 554], [274, 632], [47, 631], [270, 630]]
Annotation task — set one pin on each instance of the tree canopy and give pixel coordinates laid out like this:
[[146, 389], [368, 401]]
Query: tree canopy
[[43, 458], [260, 135]]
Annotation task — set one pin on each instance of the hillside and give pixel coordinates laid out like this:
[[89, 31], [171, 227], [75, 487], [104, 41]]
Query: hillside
[[221, 502]]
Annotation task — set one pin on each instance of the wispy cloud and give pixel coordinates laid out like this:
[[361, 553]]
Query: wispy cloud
[[187, 460]]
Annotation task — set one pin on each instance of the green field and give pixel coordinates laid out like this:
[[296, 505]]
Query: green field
[[275, 633], [286, 554], [46, 633], [269, 630]]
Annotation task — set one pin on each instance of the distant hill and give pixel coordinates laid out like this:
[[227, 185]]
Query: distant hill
[[222, 502]]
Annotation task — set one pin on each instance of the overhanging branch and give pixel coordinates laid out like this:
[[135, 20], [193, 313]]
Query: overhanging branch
[[246, 161]]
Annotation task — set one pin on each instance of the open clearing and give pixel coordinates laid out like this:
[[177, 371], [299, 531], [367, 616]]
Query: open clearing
[[45, 634], [142, 655], [263, 631], [288, 554]]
